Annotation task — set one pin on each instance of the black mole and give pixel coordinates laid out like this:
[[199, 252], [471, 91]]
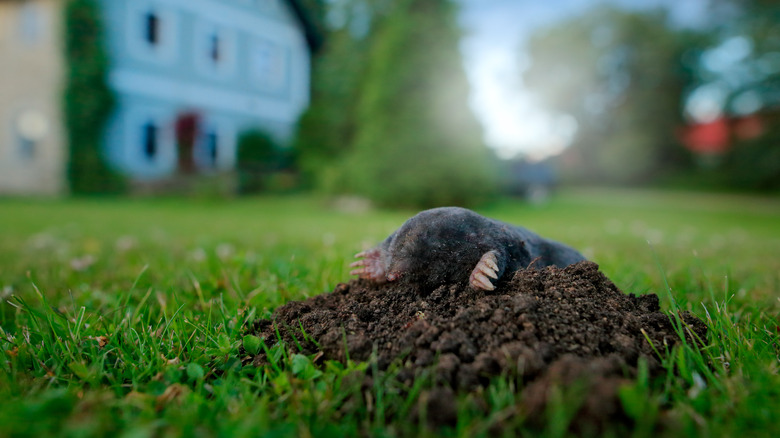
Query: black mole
[[451, 244]]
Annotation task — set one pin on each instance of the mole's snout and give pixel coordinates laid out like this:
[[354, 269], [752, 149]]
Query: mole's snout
[[393, 276]]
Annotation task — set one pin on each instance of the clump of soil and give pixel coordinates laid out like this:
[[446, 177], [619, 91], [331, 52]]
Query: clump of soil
[[548, 326]]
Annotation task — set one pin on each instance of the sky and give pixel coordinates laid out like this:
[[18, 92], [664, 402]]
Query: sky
[[495, 32]]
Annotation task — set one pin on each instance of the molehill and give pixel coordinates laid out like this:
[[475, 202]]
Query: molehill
[[545, 326]]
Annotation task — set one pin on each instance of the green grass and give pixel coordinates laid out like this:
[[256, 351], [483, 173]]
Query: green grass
[[125, 317]]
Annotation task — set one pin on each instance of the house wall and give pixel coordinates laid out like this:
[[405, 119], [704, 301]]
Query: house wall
[[260, 81], [32, 152]]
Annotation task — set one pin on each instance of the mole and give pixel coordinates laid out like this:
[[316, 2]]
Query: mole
[[453, 244]]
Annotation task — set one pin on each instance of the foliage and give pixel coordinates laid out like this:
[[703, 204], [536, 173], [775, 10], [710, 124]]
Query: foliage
[[755, 164], [88, 101], [758, 69], [749, 83], [315, 12], [259, 157], [621, 76], [416, 141], [389, 118], [125, 317], [326, 130]]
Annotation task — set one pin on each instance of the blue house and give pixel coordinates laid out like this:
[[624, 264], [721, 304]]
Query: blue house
[[191, 75]]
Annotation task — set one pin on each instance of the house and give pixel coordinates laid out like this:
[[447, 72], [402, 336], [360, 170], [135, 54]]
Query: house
[[188, 75], [718, 136], [32, 148]]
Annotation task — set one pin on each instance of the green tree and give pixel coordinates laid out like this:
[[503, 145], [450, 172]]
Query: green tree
[[749, 78], [326, 130], [622, 76], [416, 141], [314, 12], [88, 101]]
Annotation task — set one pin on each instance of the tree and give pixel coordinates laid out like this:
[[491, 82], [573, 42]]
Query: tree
[[326, 130], [743, 64], [416, 142], [621, 75]]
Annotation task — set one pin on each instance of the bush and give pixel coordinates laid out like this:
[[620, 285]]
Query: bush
[[259, 162], [755, 164]]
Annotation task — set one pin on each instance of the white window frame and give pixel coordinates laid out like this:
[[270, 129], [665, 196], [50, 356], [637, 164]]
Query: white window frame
[[17, 139], [164, 52], [226, 145], [280, 55], [135, 159], [225, 67], [143, 140], [25, 150], [33, 23]]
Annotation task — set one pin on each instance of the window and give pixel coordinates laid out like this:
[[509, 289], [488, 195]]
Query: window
[[214, 52], [147, 147], [31, 128], [207, 148], [152, 29], [150, 140], [211, 144], [269, 65], [26, 148], [214, 49], [215, 148], [30, 23]]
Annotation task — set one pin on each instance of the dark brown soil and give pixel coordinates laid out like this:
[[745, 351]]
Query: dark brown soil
[[548, 326]]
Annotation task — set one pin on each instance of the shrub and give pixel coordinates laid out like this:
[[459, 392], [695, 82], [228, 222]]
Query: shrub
[[259, 161]]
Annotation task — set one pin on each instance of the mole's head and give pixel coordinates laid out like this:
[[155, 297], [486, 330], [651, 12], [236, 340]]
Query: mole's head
[[402, 254], [431, 246]]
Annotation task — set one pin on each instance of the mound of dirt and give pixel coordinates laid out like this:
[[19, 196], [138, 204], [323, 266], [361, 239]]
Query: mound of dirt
[[548, 326]]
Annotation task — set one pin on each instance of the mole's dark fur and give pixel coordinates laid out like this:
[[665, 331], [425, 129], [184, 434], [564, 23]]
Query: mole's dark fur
[[452, 244]]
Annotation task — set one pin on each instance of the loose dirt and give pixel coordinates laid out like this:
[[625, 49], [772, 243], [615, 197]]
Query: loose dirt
[[546, 327]]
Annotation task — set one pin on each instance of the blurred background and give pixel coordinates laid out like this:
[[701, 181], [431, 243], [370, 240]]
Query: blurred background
[[398, 102]]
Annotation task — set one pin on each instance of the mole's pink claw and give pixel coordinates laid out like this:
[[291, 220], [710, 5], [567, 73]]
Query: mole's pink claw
[[479, 281], [371, 267], [490, 261], [486, 267]]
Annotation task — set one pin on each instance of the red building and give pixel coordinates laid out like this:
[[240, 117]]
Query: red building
[[718, 136]]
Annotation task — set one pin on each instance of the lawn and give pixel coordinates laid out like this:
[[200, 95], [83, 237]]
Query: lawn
[[126, 316]]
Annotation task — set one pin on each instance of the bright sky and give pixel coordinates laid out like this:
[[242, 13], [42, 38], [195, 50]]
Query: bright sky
[[493, 52]]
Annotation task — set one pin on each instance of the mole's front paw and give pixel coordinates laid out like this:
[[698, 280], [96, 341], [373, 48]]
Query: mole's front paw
[[486, 267], [372, 267]]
